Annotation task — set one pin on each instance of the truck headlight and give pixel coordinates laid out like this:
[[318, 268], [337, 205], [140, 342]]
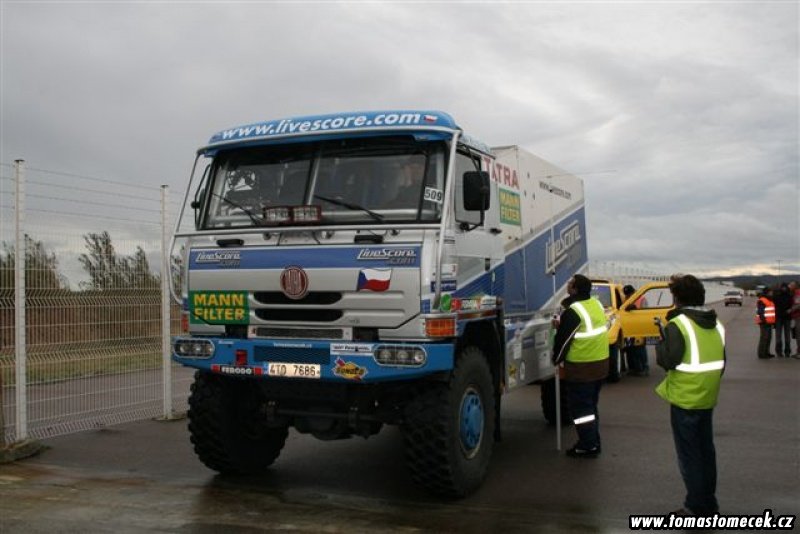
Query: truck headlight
[[193, 348], [400, 355]]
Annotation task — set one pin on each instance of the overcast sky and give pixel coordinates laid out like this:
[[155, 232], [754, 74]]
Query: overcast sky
[[693, 105]]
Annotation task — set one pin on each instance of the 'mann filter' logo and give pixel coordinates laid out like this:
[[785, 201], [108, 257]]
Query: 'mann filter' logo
[[565, 242]]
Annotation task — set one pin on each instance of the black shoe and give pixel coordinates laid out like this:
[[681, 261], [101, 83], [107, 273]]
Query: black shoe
[[577, 452], [683, 511]]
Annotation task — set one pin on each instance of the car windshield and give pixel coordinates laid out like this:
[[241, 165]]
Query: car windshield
[[736, 293], [353, 181]]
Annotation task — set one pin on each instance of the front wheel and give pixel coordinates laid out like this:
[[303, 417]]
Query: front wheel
[[449, 428], [229, 428]]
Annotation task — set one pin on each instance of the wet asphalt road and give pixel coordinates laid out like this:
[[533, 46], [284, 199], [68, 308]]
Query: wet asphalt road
[[144, 476]]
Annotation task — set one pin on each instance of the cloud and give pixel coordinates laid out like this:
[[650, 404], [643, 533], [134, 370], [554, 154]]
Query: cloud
[[694, 106]]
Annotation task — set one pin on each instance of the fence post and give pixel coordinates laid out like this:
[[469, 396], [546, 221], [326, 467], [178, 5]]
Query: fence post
[[166, 345], [20, 342]]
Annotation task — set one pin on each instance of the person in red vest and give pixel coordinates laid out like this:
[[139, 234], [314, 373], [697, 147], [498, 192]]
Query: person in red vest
[[765, 319]]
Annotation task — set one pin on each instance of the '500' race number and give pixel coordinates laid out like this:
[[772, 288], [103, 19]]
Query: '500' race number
[[293, 370]]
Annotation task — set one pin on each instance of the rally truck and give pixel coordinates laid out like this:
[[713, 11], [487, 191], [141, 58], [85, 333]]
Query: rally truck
[[344, 272]]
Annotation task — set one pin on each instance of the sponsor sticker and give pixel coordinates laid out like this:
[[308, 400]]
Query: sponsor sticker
[[510, 208], [223, 258], [349, 370], [351, 349], [218, 307], [512, 375], [237, 370], [390, 256], [447, 285]]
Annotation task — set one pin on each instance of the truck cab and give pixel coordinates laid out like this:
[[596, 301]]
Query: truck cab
[[349, 271]]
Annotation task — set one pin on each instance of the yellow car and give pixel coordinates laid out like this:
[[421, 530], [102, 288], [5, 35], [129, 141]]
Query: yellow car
[[631, 319]]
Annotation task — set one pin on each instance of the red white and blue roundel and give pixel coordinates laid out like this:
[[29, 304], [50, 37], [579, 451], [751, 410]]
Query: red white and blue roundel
[[374, 279]]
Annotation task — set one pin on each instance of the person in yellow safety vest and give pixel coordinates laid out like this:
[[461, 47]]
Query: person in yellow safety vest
[[581, 346], [765, 319], [692, 351]]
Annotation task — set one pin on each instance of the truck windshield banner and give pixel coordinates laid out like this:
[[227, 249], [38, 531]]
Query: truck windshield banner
[[328, 123]]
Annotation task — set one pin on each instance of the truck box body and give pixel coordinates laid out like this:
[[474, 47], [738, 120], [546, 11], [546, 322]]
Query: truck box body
[[344, 269], [544, 240]]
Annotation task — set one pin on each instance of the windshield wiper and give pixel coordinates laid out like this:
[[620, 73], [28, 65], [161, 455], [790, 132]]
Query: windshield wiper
[[253, 217], [351, 206]]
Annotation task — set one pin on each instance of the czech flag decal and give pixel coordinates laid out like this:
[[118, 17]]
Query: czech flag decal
[[374, 279]]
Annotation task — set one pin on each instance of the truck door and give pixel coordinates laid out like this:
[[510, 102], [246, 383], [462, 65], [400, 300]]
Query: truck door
[[477, 246]]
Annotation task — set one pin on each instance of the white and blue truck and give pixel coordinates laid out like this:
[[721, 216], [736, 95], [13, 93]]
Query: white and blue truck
[[350, 271]]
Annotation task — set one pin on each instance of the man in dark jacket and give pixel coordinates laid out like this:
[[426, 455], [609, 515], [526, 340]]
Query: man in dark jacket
[[581, 346], [692, 352], [783, 321]]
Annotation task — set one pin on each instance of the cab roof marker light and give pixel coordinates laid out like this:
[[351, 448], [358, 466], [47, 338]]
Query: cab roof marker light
[[306, 214], [278, 215]]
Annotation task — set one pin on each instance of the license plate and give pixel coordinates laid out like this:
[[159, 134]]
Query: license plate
[[293, 370]]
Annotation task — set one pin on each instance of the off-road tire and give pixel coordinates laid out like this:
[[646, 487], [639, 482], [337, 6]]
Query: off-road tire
[[436, 453], [228, 426], [548, 394]]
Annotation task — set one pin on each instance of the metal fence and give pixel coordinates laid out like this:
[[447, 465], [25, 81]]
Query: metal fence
[[85, 320]]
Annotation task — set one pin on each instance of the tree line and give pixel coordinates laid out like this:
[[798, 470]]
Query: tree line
[[107, 270]]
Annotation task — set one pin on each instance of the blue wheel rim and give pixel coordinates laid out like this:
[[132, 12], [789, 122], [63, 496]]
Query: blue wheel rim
[[471, 422]]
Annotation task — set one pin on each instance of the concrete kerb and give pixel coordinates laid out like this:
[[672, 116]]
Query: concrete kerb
[[21, 450]]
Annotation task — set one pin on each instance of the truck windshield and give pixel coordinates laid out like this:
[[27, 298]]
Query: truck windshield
[[354, 181]]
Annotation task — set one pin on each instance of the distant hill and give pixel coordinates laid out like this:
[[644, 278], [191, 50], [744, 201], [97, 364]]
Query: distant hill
[[751, 281]]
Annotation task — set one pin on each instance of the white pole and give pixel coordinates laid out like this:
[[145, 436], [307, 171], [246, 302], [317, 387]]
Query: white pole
[[20, 341], [550, 255], [166, 349]]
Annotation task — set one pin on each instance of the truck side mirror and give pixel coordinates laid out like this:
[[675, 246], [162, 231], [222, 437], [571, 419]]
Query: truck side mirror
[[476, 191]]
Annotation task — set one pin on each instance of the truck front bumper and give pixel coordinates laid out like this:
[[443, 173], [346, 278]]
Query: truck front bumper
[[330, 361]]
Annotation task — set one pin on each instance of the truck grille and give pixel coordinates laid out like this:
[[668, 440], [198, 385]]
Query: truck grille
[[312, 316], [292, 355], [314, 298]]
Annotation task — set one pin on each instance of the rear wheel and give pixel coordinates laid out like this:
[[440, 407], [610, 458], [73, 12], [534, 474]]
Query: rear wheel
[[449, 428], [228, 426]]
